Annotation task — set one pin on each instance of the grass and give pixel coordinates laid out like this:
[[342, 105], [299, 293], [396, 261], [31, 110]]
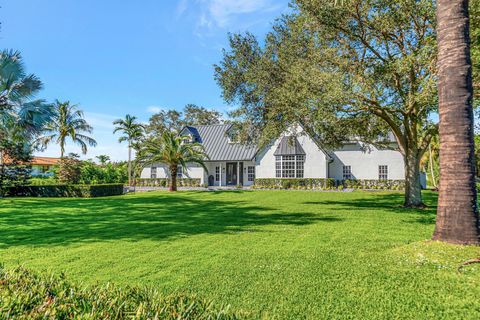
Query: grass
[[274, 254]]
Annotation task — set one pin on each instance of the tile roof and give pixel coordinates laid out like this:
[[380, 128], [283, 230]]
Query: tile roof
[[39, 161]]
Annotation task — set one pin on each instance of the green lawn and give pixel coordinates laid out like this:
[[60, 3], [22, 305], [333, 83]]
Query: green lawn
[[276, 254]]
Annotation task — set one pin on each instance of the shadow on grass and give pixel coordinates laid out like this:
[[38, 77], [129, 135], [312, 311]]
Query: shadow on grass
[[386, 202], [157, 217]]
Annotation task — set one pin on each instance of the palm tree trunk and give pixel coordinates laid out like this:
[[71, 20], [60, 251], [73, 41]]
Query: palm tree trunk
[[129, 164], [173, 178], [457, 213], [434, 182]]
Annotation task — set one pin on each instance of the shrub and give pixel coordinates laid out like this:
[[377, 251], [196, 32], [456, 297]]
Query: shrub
[[63, 190], [164, 182], [301, 184], [327, 184], [69, 170], [374, 184], [42, 181], [27, 295]]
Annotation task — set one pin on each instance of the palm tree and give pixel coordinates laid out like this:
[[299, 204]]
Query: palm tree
[[132, 132], [67, 122], [457, 213], [103, 159], [22, 117], [172, 151]]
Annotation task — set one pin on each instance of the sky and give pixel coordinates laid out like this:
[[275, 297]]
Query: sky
[[117, 57]]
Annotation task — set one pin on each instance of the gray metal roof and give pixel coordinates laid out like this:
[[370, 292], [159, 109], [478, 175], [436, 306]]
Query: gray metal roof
[[216, 142], [289, 146]]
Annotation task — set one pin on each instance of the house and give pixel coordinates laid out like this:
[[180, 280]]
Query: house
[[40, 166], [43, 166], [295, 154]]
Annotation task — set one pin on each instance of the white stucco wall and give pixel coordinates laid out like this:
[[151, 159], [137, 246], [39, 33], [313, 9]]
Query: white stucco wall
[[194, 172], [364, 162], [315, 160]]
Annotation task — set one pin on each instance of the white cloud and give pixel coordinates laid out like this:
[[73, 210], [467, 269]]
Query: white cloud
[[226, 14], [222, 11], [154, 109], [182, 6]]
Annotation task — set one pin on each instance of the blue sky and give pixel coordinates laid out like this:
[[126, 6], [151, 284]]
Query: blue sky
[[116, 57]]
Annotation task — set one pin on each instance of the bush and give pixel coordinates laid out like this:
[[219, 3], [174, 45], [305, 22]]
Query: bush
[[328, 184], [80, 191], [300, 183], [164, 182], [27, 295], [374, 184], [42, 181]]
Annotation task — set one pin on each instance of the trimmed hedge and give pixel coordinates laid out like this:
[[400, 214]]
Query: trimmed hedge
[[164, 182], [374, 184], [301, 184], [63, 190], [328, 184], [27, 295]]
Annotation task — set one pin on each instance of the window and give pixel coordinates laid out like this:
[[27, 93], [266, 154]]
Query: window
[[217, 173], [179, 172], [300, 160], [291, 166], [153, 173], [347, 172], [251, 173], [382, 172]]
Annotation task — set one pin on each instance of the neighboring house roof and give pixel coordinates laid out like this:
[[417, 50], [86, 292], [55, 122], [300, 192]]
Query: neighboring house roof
[[289, 145], [37, 161], [44, 161], [217, 144]]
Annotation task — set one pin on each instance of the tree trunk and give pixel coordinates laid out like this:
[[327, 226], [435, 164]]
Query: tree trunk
[[173, 178], [432, 172], [413, 188], [129, 165], [457, 213]]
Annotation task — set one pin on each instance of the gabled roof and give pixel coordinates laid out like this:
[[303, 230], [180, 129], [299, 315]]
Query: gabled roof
[[217, 144], [289, 145]]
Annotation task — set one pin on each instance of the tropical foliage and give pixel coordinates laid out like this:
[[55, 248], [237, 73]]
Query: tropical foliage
[[174, 151], [67, 123], [22, 117], [132, 133]]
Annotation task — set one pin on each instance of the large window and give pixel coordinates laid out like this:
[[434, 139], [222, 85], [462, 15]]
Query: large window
[[217, 173], [347, 172], [291, 166], [251, 173], [153, 173], [382, 172]]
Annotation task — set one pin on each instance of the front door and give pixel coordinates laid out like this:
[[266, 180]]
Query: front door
[[231, 174]]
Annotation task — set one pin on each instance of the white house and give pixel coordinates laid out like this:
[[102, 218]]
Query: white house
[[295, 154]]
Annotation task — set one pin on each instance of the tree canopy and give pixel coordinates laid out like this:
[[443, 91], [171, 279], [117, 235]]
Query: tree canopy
[[173, 120], [350, 69]]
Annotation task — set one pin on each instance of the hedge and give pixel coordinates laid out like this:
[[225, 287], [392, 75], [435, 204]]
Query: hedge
[[164, 182], [304, 184], [27, 295], [328, 184], [374, 184], [62, 190]]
